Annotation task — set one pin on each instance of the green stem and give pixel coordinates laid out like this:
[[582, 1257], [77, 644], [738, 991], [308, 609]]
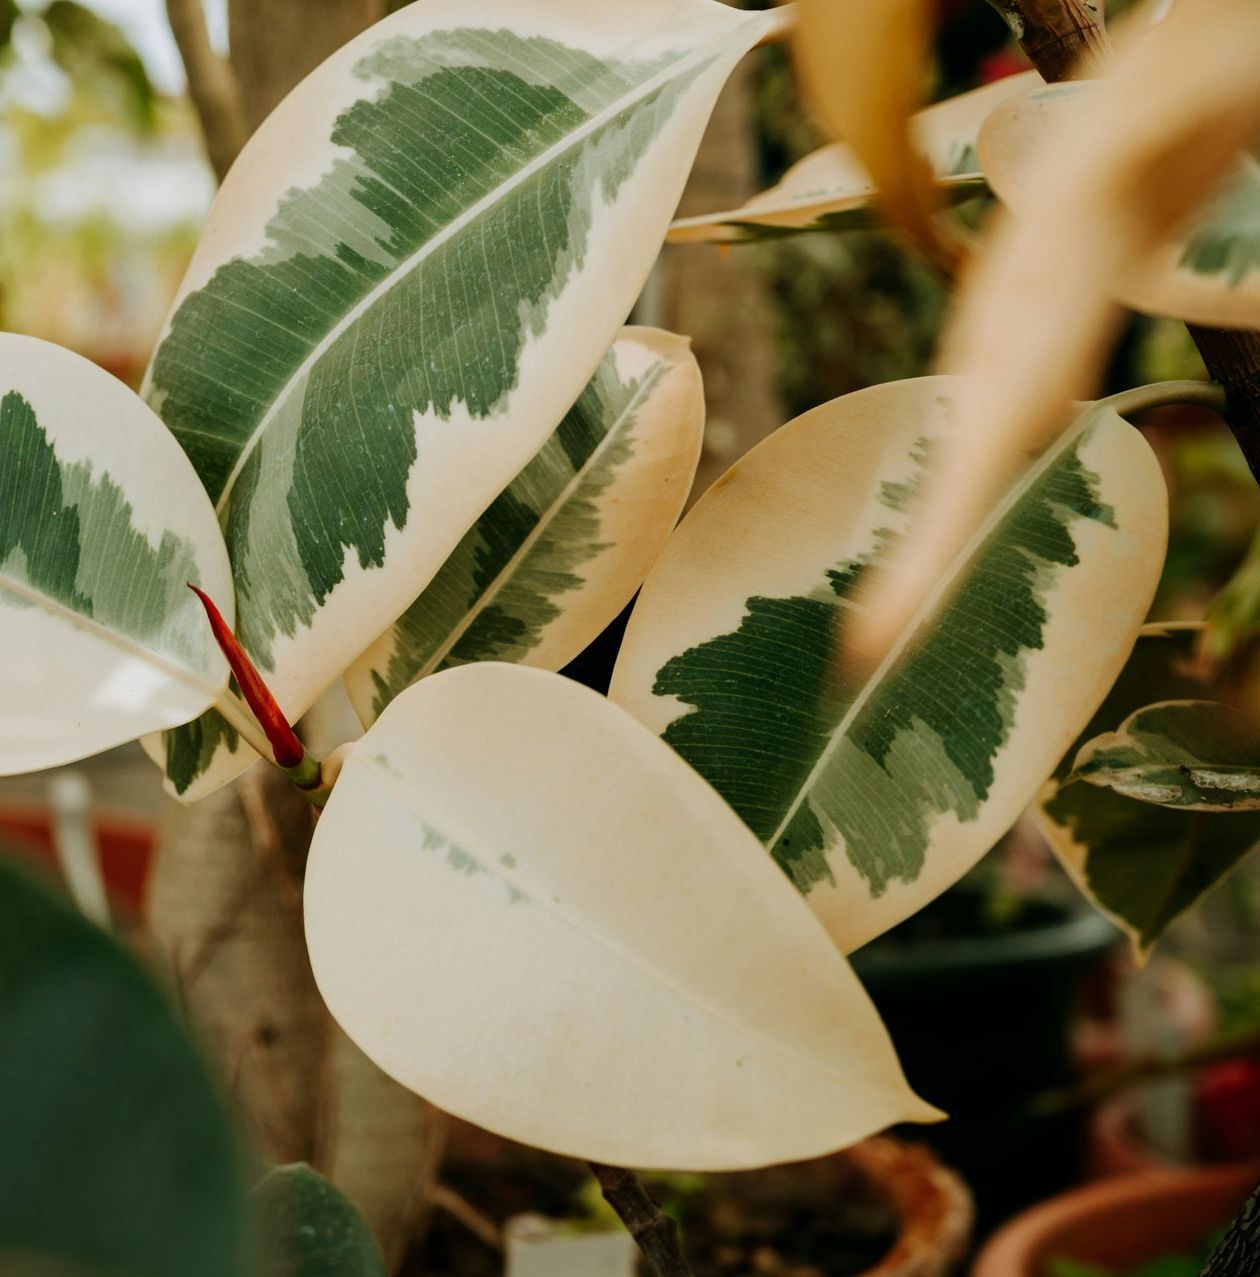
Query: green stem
[[1164, 394]]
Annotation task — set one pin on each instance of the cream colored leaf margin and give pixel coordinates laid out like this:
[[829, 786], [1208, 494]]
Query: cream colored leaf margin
[[103, 522], [524, 906]]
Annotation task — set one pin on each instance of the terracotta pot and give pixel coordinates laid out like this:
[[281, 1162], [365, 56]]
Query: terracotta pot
[[126, 846], [934, 1205], [1120, 1223]]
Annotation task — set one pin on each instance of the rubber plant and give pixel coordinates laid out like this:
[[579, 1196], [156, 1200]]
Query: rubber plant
[[395, 433]]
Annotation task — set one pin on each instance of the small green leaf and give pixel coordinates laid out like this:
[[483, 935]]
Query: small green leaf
[[309, 1228], [1143, 865], [114, 1154], [1198, 754]]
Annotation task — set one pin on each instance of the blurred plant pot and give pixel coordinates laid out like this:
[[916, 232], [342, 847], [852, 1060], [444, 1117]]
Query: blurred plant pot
[[126, 846], [982, 1018], [1120, 1223], [885, 1208]]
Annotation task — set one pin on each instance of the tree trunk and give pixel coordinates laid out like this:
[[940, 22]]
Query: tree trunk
[[225, 903], [275, 43]]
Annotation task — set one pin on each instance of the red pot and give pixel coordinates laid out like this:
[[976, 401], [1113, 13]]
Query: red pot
[[1120, 1223], [126, 846]]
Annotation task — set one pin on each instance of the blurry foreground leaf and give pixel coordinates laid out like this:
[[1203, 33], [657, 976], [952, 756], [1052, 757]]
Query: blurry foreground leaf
[[115, 1155], [99, 58], [310, 1229]]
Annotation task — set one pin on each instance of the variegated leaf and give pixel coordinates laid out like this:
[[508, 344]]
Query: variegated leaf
[[102, 524], [1143, 865], [831, 191], [564, 547], [409, 275], [1208, 273], [874, 790], [561, 933], [1199, 754]]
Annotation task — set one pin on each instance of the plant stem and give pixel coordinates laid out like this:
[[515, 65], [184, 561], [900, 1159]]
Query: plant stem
[[654, 1232], [1163, 394]]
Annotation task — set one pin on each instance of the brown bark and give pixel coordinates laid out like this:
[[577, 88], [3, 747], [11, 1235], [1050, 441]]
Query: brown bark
[[275, 43], [225, 910], [213, 88], [1061, 37]]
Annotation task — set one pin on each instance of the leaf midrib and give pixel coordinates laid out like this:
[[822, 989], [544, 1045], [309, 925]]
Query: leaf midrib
[[957, 566], [133, 647], [487, 202], [535, 896]]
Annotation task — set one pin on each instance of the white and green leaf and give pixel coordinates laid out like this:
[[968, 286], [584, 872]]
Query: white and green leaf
[[1209, 273], [1140, 864], [830, 190], [409, 275], [103, 523], [875, 790], [563, 548], [1198, 754], [600, 961]]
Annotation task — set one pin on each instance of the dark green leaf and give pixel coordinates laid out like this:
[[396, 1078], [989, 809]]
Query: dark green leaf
[[310, 1229]]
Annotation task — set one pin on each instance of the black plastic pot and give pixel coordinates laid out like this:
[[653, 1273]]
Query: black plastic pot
[[982, 1019]]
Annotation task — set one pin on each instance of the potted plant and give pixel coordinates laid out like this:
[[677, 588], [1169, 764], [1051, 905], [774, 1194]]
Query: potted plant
[[394, 433]]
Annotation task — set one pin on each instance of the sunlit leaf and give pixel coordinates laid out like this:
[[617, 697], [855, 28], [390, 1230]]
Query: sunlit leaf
[[561, 551], [102, 524], [875, 789], [1208, 272], [407, 279], [116, 1158], [1143, 865], [831, 191], [524, 906]]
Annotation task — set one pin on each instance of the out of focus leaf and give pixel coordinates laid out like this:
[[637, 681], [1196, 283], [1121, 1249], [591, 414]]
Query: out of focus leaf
[[1035, 322], [308, 1228], [9, 14], [865, 66], [114, 1153], [829, 190], [100, 59], [1207, 272]]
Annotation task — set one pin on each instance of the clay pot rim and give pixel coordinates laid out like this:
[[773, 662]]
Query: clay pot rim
[[1007, 1253], [933, 1203]]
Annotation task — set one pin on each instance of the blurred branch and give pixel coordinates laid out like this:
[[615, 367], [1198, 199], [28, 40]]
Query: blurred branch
[[212, 85], [277, 44], [1062, 38]]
